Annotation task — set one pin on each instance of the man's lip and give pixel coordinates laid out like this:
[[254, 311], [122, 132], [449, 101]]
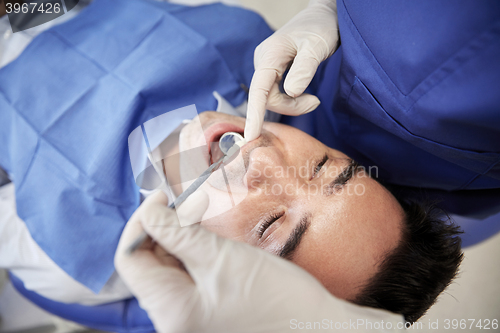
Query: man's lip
[[216, 130]]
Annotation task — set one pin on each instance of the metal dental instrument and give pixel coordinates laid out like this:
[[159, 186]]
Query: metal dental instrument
[[237, 141]]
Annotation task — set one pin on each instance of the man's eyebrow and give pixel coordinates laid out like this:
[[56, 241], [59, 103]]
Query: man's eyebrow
[[293, 241], [347, 173]]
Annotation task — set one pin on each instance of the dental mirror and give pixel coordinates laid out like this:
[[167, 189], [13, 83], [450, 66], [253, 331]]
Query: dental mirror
[[228, 139]]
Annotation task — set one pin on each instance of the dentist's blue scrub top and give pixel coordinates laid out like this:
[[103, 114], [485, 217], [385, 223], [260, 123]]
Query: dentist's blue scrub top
[[415, 90]]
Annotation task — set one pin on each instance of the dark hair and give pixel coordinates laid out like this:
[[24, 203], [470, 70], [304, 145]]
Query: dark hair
[[423, 264]]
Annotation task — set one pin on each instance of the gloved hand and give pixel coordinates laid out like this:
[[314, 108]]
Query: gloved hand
[[307, 39], [226, 286]]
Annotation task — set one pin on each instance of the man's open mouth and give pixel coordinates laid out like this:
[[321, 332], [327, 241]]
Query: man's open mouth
[[215, 153], [213, 135]]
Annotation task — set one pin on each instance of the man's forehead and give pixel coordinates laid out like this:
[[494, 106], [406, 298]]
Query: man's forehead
[[348, 237]]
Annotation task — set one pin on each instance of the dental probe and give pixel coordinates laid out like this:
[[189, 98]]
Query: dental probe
[[195, 185]]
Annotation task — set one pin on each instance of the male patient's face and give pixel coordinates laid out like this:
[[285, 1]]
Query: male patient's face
[[293, 196]]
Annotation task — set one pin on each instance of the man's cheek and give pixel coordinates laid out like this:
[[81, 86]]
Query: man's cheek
[[219, 211]]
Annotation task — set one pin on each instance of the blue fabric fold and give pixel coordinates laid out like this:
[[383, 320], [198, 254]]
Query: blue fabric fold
[[70, 101]]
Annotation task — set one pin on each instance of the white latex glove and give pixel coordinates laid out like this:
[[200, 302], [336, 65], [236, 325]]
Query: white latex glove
[[307, 39], [229, 286]]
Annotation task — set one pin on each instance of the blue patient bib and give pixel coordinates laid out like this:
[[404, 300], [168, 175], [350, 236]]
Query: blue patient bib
[[70, 101]]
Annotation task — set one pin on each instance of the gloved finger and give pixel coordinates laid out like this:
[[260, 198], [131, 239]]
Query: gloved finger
[[301, 73], [284, 104], [157, 286], [149, 273], [164, 257], [145, 265], [262, 81], [271, 59], [165, 229], [196, 247], [159, 197], [134, 229], [275, 52]]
